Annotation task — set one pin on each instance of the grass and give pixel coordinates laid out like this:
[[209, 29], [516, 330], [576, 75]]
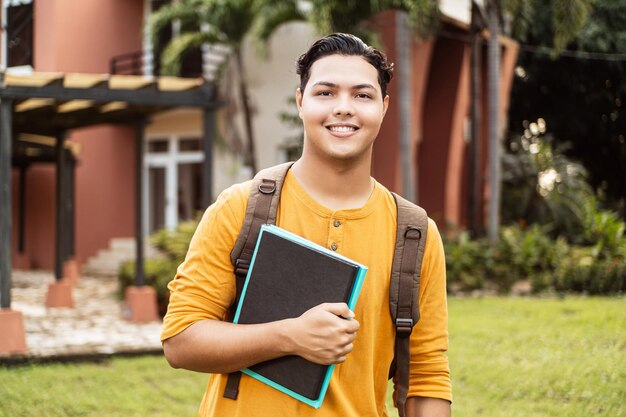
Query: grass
[[515, 357], [121, 387], [510, 358]]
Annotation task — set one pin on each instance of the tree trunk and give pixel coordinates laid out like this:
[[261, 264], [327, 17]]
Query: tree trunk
[[407, 160], [249, 157], [475, 150], [494, 123]]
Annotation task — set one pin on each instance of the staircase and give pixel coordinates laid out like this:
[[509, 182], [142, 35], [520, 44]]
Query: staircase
[[107, 261]]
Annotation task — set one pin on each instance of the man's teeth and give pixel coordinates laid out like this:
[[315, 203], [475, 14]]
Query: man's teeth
[[342, 128]]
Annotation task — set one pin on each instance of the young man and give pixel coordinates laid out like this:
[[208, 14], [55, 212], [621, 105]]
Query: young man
[[329, 198]]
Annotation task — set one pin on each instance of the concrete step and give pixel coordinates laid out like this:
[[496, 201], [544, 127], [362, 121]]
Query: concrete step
[[107, 261]]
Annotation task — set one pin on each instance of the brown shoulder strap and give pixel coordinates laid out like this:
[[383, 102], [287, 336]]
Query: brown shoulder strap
[[412, 226], [261, 209]]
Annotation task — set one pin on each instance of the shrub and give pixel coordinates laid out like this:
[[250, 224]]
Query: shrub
[[158, 272], [605, 231], [530, 254], [592, 276]]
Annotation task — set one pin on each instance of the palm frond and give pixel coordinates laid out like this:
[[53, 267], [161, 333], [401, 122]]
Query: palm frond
[[272, 14], [423, 16], [520, 13], [568, 18], [184, 11], [177, 47], [233, 18]]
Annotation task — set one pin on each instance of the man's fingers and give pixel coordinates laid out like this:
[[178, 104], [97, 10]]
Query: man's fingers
[[338, 309]]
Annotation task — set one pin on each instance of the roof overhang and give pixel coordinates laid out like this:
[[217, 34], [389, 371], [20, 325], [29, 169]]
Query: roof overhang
[[46, 103]]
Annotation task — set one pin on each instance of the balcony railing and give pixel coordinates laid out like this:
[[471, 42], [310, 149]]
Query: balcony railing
[[127, 64], [204, 61]]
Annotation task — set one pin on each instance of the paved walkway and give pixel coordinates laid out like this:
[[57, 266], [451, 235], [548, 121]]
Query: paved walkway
[[95, 327]]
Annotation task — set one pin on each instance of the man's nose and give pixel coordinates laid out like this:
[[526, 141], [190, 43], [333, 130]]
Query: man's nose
[[343, 106]]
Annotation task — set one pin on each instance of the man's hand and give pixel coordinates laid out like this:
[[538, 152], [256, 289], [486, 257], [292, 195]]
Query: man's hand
[[322, 334], [319, 335]]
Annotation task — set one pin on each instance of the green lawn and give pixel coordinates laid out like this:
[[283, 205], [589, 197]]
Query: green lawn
[[510, 358], [540, 357]]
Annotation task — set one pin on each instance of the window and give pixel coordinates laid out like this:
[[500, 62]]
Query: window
[[175, 181], [19, 33]]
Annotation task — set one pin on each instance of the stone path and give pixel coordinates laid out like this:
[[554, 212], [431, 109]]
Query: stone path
[[94, 327]]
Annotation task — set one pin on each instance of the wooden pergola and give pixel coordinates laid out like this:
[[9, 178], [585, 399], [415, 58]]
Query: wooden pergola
[[49, 105]]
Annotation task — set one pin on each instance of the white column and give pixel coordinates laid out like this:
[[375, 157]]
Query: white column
[[171, 185]]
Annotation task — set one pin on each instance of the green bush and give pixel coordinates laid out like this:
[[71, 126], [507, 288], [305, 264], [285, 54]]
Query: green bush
[[519, 254], [605, 231], [530, 254], [158, 272], [592, 276]]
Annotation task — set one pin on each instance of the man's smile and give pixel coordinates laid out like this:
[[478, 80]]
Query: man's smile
[[342, 128]]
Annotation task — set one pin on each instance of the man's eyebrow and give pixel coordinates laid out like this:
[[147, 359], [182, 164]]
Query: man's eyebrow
[[354, 87], [326, 84], [363, 86]]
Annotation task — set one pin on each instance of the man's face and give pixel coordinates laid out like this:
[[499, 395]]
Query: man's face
[[341, 108]]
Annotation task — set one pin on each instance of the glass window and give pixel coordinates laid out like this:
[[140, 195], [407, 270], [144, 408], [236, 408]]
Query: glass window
[[156, 181], [19, 31], [189, 145], [158, 146], [189, 191]]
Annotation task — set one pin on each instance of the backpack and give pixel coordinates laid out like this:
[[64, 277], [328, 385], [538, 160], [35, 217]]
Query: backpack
[[412, 226]]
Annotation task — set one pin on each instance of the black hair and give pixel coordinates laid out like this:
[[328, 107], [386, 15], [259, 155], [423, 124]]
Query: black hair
[[344, 44]]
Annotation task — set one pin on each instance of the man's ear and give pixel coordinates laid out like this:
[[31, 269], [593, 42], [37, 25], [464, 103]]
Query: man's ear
[[299, 101], [385, 104]]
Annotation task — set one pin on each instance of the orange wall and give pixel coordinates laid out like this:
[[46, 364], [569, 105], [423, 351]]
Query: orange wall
[[441, 157], [386, 162], [82, 36], [105, 187], [386, 165]]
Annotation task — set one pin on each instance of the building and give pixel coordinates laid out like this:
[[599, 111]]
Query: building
[[105, 36]]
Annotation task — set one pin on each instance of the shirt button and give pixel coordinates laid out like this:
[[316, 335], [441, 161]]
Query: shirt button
[[336, 223], [333, 246]]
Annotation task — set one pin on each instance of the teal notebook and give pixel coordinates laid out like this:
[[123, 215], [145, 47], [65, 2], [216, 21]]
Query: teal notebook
[[288, 275]]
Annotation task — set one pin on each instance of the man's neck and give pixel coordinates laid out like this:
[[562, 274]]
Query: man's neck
[[333, 186]]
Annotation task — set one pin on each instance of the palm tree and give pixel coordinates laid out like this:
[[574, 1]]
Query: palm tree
[[228, 22], [222, 22]]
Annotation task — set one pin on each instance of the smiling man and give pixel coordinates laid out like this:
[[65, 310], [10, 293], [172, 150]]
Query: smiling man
[[330, 198]]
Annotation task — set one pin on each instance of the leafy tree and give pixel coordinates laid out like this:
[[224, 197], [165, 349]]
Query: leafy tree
[[353, 16], [568, 17], [581, 93], [223, 22]]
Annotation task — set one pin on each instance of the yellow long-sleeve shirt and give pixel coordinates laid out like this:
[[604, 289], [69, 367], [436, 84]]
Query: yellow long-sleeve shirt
[[204, 288]]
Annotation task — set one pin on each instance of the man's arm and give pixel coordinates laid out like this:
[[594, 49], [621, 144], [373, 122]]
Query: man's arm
[[319, 335], [427, 407]]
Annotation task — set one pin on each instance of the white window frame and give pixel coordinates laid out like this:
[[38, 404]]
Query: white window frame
[[170, 161]]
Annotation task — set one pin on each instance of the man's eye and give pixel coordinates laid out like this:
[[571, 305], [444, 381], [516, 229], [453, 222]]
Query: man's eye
[[363, 95], [324, 93]]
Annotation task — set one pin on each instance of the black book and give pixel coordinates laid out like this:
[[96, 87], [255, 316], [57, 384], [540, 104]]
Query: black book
[[288, 275]]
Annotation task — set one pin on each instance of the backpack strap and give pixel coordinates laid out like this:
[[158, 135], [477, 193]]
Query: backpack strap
[[412, 226], [261, 209]]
